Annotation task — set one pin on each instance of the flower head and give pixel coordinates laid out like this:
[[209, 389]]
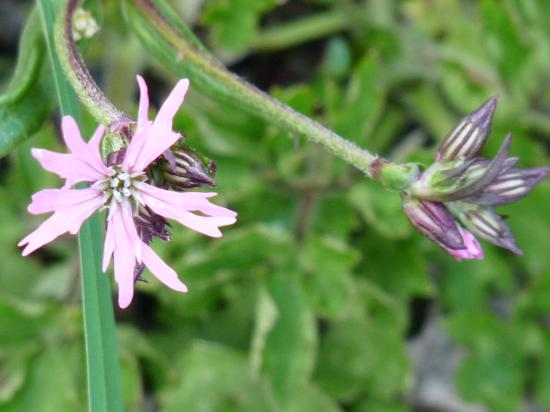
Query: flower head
[[434, 221], [123, 189], [462, 185]]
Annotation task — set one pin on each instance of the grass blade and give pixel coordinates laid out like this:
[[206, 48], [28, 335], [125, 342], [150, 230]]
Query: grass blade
[[104, 387]]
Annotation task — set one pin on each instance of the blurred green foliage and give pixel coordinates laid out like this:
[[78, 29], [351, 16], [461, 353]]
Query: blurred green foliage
[[307, 303]]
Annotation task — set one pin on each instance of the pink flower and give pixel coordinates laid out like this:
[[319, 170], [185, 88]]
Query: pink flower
[[472, 248], [436, 222], [121, 189]]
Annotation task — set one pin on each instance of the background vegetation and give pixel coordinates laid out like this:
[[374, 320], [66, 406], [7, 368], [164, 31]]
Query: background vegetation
[[322, 298]]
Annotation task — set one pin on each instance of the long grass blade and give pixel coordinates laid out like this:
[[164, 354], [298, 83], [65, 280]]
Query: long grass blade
[[103, 372]]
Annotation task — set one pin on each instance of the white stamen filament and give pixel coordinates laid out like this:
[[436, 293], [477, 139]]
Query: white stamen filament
[[121, 185]]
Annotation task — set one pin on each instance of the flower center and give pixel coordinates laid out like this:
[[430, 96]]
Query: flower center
[[121, 185]]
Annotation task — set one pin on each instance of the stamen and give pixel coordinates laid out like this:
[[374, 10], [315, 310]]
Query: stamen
[[117, 196], [121, 185]]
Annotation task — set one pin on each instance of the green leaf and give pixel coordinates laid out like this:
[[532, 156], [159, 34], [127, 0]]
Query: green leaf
[[526, 218], [289, 353], [381, 209], [468, 285], [234, 23], [356, 116], [494, 377], [374, 405], [328, 264], [27, 102], [503, 39], [337, 59], [355, 358], [21, 322], [266, 317], [215, 378], [335, 224], [542, 379], [50, 385], [311, 399]]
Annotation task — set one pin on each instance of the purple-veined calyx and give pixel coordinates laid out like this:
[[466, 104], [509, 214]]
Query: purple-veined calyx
[[453, 198]]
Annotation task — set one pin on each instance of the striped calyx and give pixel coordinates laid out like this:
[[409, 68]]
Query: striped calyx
[[434, 221], [467, 138], [485, 223], [186, 168], [461, 178], [460, 184]]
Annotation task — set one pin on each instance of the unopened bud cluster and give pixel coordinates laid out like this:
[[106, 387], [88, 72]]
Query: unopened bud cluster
[[452, 200], [84, 25]]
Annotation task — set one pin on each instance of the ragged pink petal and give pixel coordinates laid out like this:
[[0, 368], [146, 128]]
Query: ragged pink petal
[[190, 201], [87, 153], [148, 145], [178, 206], [68, 218], [71, 135], [122, 241], [153, 139], [126, 240], [108, 246], [171, 105], [94, 152], [143, 109], [161, 270], [83, 163], [51, 200], [66, 166]]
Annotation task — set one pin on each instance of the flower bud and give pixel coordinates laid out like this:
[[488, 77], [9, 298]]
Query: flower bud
[[434, 221], [485, 223], [510, 186], [150, 225], [467, 138], [187, 169], [84, 25], [459, 178]]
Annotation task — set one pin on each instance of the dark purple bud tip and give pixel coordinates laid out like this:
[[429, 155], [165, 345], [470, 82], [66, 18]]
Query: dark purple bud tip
[[468, 137], [483, 116]]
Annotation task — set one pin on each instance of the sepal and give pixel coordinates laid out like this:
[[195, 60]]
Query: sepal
[[484, 222], [467, 138]]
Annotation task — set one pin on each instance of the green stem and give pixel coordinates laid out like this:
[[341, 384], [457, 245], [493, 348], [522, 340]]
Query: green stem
[[301, 31], [245, 94], [78, 74], [104, 387]]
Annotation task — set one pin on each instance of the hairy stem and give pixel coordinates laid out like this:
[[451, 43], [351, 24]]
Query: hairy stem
[[247, 94], [87, 90]]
